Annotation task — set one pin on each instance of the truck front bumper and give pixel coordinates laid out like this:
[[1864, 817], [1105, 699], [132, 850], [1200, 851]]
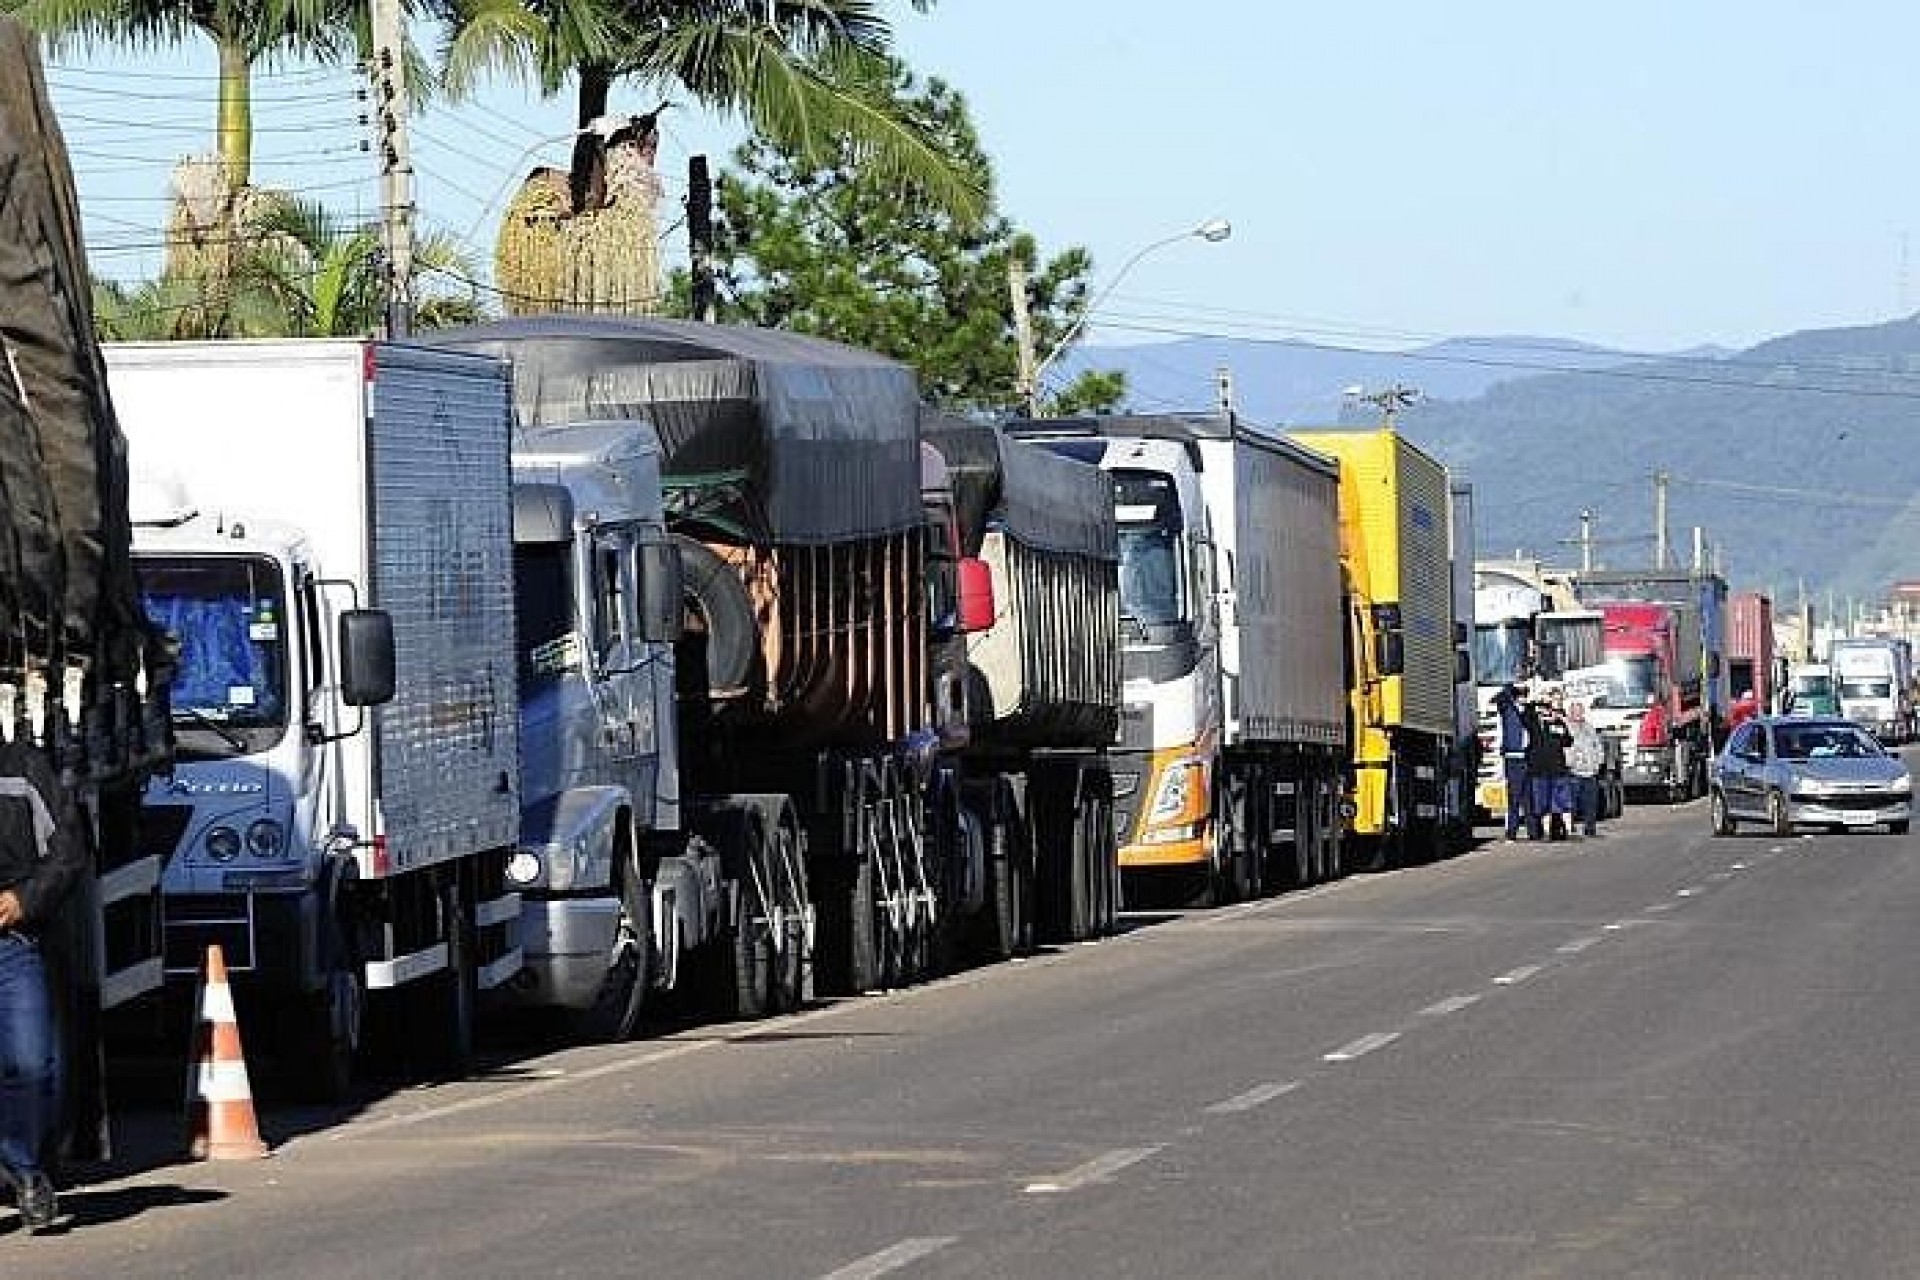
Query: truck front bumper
[[567, 944]]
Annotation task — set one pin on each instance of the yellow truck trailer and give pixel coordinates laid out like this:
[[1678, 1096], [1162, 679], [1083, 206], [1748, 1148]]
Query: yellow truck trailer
[[1407, 650]]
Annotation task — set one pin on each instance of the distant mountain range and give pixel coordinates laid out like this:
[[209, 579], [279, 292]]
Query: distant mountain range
[[1799, 457]]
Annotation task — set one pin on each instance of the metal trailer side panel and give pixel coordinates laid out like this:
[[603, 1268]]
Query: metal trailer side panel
[[1460, 550], [1398, 530], [447, 746], [1750, 637]]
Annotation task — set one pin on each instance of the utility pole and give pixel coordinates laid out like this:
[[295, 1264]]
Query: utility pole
[[389, 74], [1586, 542], [1223, 390], [1699, 549], [1025, 387], [702, 294], [1659, 519]]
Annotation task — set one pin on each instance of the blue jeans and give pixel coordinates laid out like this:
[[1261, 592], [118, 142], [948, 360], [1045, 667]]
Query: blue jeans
[[29, 1057], [1516, 773], [1586, 802], [1551, 798]]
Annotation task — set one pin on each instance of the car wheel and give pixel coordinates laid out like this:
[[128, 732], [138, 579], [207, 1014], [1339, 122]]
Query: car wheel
[[1897, 828], [1777, 815], [1723, 823]]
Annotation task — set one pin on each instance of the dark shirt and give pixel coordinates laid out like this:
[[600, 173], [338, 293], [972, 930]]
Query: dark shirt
[[43, 849], [1547, 743], [1513, 727]]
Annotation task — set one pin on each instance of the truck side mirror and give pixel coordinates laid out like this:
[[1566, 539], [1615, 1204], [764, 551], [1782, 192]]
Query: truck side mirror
[[366, 657], [662, 591], [1389, 652], [977, 605]]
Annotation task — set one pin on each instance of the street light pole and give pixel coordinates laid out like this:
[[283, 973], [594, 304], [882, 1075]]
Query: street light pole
[[1213, 231]]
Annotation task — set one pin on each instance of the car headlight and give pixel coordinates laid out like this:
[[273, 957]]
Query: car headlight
[[1902, 785], [1170, 797], [223, 844], [266, 838], [1810, 787]]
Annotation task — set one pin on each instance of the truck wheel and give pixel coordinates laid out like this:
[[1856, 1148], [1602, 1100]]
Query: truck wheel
[[1777, 817], [1723, 823], [616, 1009], [445, 1006], [1898, 828], [747, 987], [1003, 894]]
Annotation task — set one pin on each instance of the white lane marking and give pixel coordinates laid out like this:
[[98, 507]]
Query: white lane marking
[[1514, 977], [1259, 1095], [1718, 876], [1685, 893], [1098, 1169], [1661, 906], [891, 1258], [1576, 945], [1452, 1004], [1738, 866], [1361, 1047], [1779, 848], [1615, 927]]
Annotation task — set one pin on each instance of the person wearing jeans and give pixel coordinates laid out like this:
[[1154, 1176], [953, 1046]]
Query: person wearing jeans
[[1586, 756], [42, 855]]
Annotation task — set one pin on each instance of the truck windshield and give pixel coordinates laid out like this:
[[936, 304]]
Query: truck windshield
[[1816, 686], [1500, 651], [1150, 574], [543, 612], [1856, 687], [1629, 682], [229, 615]]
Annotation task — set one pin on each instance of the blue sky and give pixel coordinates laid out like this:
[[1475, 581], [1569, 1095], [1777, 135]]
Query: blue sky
[[1645, 175]]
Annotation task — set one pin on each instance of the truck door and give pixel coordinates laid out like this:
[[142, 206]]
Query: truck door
[[618, 668]]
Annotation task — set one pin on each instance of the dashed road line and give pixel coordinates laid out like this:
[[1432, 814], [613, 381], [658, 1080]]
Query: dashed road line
[[891, 1259], [1257, 1096], [1452, 1004], [1660, 906], [1738, 866], [1685, 893], [1098, 1169], [1575, 946], [1514, 977], [1361, 1047]]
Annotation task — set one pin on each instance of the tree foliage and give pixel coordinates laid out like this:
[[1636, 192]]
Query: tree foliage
[[834, 249], [798, 73]]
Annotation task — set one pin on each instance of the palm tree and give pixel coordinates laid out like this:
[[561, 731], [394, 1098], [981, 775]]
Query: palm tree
[[245, 34], [803, 74]]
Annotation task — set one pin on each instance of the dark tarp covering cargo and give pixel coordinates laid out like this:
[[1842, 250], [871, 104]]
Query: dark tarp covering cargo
[[68, 605], [771, 436], [1047, 673], [1046, 501], [792, 466]]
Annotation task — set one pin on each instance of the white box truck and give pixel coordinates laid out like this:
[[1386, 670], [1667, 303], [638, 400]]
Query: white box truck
[[326, 526]]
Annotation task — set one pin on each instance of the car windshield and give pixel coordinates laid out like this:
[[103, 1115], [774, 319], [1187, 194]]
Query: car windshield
[[1825, 742]]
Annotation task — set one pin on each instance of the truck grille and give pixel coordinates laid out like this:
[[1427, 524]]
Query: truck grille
[[198, 921]]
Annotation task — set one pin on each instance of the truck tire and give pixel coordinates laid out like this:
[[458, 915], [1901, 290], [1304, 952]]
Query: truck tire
[[616, 1009], [446, 1005], [746, 986], [716, 593], [324, 1043]]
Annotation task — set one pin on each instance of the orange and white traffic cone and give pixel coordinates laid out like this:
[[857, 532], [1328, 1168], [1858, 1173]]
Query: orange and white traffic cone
[[220, 1119]]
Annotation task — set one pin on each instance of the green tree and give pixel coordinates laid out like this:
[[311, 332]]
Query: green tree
[[301, 272], [245, 34], [798, 73], [833, 250]]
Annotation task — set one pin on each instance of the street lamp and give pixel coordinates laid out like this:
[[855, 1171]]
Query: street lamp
[[1213, 231]]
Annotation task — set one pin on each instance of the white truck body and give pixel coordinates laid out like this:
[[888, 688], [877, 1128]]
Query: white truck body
[[278, 484], [1873, 680]]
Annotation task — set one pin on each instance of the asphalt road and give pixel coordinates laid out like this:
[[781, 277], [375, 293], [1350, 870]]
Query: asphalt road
[[1654, 1054]]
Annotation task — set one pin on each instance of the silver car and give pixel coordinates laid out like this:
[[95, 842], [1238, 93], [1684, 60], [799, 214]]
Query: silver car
[[1815, 772]]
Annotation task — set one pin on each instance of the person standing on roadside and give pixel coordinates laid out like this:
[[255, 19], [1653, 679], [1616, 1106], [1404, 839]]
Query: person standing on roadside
[[1586, 756], [1550, 787], [1513, 756], [43, 854]]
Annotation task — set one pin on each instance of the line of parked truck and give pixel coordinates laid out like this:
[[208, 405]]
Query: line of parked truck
[[566, 663]]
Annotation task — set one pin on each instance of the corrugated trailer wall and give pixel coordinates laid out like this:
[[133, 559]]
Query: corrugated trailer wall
[[1399, 528], [1288, 597]]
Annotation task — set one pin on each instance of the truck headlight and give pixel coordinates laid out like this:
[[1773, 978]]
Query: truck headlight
[[223, 844], [1170, 797], [266, 838], [523, 869]]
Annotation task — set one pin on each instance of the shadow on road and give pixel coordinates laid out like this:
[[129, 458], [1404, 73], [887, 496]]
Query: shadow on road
[[80, 1209]]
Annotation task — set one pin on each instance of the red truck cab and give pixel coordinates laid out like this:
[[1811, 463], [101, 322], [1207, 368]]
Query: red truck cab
[[1652, 698]]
